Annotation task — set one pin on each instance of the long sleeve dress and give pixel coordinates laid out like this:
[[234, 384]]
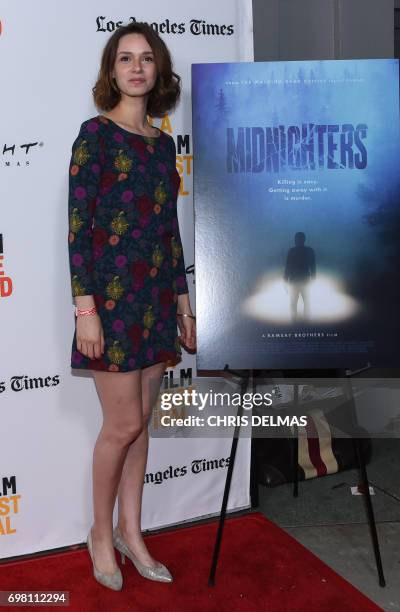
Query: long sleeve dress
[[124, 243]]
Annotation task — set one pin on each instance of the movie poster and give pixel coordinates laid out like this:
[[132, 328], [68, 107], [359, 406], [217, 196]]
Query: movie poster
[[297, 213]]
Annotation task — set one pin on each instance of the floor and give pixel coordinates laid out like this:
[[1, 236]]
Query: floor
[[332, 523]]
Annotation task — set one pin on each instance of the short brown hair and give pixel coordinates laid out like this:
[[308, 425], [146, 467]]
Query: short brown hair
[[166, 92]]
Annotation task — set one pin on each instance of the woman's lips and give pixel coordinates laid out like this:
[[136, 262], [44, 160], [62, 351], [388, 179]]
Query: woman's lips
[[137, 81]]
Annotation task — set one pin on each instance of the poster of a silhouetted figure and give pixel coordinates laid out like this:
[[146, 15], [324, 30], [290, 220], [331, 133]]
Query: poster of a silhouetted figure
[[300, 270], [297, 214]]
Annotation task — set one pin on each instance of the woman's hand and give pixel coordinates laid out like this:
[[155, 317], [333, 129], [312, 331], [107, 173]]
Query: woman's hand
[[89, 336], [187, 327]]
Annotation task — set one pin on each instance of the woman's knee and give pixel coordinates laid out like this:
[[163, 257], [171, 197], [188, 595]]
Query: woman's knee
[[123, 433]]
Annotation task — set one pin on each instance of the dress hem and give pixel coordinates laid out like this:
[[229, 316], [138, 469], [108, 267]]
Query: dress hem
[[169, 364]]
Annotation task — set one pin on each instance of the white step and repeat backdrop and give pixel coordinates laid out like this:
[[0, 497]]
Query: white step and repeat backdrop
[[50, 415]]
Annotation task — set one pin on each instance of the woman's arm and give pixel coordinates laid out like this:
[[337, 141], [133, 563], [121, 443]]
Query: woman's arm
[[84, 181], [84, 178], [186, 324], [176, 244]]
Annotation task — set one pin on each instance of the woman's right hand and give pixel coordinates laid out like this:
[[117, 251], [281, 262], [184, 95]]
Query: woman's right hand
[[89, 336]]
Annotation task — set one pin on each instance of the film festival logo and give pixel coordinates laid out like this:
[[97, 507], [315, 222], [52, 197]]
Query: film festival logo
[[6, 285], [196, 27], [9, 504]]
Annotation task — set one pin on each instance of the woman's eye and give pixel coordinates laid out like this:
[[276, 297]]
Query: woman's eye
[[126, 57]]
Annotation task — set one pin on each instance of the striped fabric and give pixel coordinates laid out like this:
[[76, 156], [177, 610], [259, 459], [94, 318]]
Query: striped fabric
[[315, 456]]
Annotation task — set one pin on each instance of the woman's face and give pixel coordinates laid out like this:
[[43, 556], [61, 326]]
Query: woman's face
[[135, 70]]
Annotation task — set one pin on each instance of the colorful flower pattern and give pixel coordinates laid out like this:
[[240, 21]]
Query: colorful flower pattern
[[124, 243]]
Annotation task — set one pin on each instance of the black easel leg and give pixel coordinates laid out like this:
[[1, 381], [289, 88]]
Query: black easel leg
[[370, 511], [364, 476], [217, 545]]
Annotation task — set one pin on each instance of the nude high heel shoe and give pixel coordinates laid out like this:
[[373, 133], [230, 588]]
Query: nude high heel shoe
[[159, 573], [112, 581]]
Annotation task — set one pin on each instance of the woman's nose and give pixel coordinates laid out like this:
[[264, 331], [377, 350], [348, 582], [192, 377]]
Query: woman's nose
[[137, 65]]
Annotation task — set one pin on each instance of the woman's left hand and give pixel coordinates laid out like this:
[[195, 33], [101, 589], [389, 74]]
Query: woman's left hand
[[187, 327]]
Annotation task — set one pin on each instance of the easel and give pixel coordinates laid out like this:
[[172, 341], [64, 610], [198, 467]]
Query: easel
[[364, 476], [247, 375]]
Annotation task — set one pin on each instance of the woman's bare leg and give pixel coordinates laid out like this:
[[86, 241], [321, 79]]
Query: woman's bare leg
[[132, 480], [121, 402]]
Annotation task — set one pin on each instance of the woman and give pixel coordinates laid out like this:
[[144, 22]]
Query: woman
[[128, 279]]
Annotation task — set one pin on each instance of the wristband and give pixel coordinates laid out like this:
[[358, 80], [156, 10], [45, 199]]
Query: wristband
[[85, 312]]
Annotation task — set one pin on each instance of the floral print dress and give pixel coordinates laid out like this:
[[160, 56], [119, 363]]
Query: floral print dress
[[124, 243]]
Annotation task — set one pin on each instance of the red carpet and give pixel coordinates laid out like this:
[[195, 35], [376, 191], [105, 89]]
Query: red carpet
[[260, 568]]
